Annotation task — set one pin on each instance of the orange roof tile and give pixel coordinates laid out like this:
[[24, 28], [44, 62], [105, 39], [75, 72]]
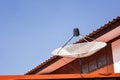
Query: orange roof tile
[[100, 29], [95, 32], [43, 65]]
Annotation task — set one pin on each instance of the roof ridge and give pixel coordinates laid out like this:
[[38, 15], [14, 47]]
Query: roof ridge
[[99, 29]]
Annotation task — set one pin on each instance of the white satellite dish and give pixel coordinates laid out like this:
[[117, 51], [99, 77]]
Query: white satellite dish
[[79, 50]]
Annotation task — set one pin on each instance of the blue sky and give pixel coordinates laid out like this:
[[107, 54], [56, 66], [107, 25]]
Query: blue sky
[[31, 29]]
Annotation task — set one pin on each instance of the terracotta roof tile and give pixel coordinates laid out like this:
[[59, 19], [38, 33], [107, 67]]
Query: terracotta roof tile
[[42, 64], [79, 41], [99, 29]]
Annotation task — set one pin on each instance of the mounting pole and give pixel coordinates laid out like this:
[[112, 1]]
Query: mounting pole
[[75, 34], [81, 71]]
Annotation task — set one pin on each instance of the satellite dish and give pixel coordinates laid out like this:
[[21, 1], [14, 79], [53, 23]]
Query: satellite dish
[[79, 50]]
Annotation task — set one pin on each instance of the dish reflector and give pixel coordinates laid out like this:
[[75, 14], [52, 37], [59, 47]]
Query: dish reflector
[[79, 50]]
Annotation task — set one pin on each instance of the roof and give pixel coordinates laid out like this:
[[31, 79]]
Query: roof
[[40, 67], [104, 28], [95, 34], [111, 76]]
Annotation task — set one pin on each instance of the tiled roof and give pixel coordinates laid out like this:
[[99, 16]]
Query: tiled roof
[[39, 67], [100, 29], [92, 34]]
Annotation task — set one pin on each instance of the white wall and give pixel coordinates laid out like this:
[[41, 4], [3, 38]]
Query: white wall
[[116, 55]]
